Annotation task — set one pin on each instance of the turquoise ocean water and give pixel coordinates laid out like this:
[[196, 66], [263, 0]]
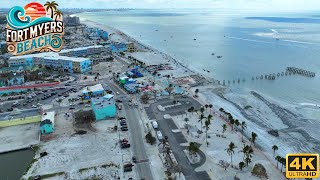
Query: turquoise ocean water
[[250, 44]]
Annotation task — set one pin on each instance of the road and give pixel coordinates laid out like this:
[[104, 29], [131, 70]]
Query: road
[[136, 138], [175, 139]]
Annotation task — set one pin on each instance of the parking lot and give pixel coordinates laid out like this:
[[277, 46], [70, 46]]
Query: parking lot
[[35, 99]]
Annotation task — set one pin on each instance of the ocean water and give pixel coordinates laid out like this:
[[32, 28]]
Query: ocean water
[[247, 43]]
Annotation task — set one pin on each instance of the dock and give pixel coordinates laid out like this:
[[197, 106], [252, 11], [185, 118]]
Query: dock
[[289, 71]]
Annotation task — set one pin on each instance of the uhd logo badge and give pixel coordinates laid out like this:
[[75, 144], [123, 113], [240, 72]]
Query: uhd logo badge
[[302, 165], [34, 28]]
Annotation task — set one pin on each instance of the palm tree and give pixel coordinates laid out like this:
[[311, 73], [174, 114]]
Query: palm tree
[[232, 123], [230, 150], [247, 160], [59, 101], [186, 120], [200, 120], [244, 150], [209, 118], [278, 159], [196, 91], [243, 127], [90, 93], [206, 125], [202, 110], [241, 165], [210, 106], [237, 122], [52, 6], [253, 138], [169, 89], [206, 107], [58, 14], [193, 148], [224, 128], [283, 162], [274, 148]]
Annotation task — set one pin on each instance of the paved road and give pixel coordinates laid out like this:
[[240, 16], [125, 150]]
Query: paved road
[[175, 139], [136, 137]]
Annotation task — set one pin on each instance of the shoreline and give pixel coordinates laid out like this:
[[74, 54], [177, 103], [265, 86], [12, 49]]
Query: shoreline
[[93, 24], [265, 99]]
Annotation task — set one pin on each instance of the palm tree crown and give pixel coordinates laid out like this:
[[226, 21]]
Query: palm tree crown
[[52, 6]]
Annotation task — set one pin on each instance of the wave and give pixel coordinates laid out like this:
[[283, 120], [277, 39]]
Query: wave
[[300, 42], [16, 23], [253, 40]]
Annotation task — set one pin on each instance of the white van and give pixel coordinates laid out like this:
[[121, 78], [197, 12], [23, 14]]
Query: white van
[[159, 136], [155, 125]]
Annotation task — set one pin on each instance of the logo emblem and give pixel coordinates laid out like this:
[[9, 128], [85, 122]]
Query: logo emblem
[[34, 28], [302, 166]]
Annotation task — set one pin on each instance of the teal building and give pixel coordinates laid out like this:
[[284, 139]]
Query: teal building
[[47, 123], [104, 107]]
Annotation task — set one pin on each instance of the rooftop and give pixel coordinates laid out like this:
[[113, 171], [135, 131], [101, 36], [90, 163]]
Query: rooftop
[[97, 87], [103, 102], [48, 116], [81, 48], [50, 55]]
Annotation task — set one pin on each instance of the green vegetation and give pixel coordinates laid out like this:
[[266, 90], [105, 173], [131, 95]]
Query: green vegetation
[[150, 139], [35, 148], [51, 175], [31, 163]]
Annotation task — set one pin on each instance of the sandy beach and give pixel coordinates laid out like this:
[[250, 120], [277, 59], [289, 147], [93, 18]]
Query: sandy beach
[[261, 113]]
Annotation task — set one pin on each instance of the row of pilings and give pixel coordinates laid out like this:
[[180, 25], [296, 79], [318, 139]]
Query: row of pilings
[[289, 71]]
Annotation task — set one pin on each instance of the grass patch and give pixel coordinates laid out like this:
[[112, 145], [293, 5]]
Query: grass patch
[[51, 175], [84, 169], [33, 161], [247, 107], [35, 148], [110, 165], [19, 121]]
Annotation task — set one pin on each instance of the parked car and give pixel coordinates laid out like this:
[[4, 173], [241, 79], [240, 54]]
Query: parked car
[[34, 106], [134, 159], [125, 145], [159, 135], [10, 109], [155, 125], [123, 123], [71, 108], [121, 118], [124, 129], [127, 167]]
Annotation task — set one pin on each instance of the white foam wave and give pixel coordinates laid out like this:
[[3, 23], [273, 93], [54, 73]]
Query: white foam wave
[[244, 39]]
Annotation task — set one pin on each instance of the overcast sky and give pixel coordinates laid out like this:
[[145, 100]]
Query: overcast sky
[[260, 5]]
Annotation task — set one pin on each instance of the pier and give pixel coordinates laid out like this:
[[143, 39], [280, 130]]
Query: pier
[[289, 71]]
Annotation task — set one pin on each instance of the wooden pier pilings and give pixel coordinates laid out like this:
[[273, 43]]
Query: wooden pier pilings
[[289, 71]]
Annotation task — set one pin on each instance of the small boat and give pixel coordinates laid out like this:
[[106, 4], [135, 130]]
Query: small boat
[[212, 54], [157, 30], [208, 71], [219, 56], [277, 39], [194, 39]]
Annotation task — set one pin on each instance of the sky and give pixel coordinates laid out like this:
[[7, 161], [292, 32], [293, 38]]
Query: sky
[[258, 5]]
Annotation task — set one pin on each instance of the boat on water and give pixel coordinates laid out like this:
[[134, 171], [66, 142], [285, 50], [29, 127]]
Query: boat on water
[[212, 54], [194, 39], [219, 56]]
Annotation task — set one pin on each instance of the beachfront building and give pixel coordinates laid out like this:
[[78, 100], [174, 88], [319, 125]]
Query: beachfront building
[[130, 47], [82, 51], [71, 20], [15, 79], [118, 47], [102, 34], [47, 122], [92, 91], [104, 107], [53, 61]]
